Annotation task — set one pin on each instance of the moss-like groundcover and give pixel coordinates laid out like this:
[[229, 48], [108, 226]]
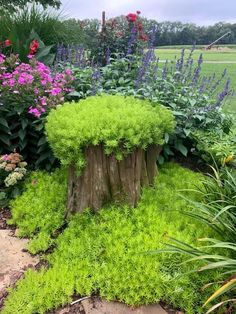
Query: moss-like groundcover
[[104, 253], [120, 123]]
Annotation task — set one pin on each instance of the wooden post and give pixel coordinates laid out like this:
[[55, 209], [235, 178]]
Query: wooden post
[[103, 21]]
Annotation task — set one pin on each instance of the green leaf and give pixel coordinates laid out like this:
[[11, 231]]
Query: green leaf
[[43, 52], [181, 148], [161, 160], [22, 134], [167, 137], [42, 141], [4, 122], [187, 131], [5, 139], [24, 123]]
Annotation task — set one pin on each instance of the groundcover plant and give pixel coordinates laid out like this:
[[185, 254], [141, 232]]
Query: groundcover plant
[[105, 253]]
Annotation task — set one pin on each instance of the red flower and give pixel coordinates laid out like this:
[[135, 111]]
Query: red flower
[[138, 12], [34, 47], [7, 43], [143, 37], [131, 17]]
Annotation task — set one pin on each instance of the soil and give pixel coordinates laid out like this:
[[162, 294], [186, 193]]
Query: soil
[[5, 214]]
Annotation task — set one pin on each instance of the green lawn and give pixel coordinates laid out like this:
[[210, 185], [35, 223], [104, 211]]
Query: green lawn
[[215, 61]]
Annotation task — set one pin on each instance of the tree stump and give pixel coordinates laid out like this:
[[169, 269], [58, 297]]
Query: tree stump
[[106, 179]]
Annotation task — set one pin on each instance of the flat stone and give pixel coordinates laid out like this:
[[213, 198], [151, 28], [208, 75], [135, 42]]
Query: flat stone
[[97, 306], [13, 261]]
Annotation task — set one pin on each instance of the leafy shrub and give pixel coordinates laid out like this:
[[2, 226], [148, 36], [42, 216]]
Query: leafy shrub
[[124, 35], [195, 101], [12, 171], [116, 77], [219, 146], [28, 91], [18, 29], [105, 252], [39, 212], [120, 123]]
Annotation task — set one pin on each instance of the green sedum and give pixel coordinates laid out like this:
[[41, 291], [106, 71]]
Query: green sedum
[[105, 253], [40, 210], [120, 123]]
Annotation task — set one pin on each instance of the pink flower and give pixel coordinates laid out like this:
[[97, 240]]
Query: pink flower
[[68, 72], [55, 91], [5, 157], [43, 101], [36, 91], [34, 111], [2, 58], [43, 82], [21, 80]]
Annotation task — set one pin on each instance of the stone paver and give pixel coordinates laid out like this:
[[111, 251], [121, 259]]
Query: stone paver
[[13, 260], [97, 306]]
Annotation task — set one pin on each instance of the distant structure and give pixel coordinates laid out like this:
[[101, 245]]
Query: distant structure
[[216, 41]]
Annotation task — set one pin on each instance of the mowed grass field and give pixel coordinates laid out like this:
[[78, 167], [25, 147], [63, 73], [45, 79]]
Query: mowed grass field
[[213, 61]]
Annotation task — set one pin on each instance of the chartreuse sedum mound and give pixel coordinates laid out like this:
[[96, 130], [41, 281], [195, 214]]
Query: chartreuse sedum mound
[[108, 119]]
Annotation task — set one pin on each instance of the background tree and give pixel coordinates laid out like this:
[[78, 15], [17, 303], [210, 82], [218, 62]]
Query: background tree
[[14, 5]]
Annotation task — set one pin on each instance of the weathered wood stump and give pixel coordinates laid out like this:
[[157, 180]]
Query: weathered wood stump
[[106, 179]]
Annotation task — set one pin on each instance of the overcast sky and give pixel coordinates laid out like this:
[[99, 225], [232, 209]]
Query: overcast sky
[[197, 11]]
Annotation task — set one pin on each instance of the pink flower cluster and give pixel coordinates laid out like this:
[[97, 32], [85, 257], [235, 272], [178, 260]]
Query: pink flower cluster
[[33, 84]]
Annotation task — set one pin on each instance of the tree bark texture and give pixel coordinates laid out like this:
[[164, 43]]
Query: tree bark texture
[[105, 179]]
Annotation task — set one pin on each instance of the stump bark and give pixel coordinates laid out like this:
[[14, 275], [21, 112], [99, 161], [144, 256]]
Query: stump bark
[[106, 179]]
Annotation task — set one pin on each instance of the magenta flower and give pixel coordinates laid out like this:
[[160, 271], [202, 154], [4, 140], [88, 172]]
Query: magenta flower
[[34, 83], [55, 91], [34, 111]]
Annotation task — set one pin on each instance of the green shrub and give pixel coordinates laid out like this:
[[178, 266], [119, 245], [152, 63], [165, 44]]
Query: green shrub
[[120, 123], [216, 145], [40, 211], [106, 253]]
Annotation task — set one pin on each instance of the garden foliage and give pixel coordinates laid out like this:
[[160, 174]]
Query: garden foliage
[[216, 210], [40, 211], [18, 28], [120, 123], [124, 35], [216, 145], [28, 91], [106, 253], [195, 101]]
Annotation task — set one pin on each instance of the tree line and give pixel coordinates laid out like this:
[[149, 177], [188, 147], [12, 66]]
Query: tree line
[[166, 33]]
